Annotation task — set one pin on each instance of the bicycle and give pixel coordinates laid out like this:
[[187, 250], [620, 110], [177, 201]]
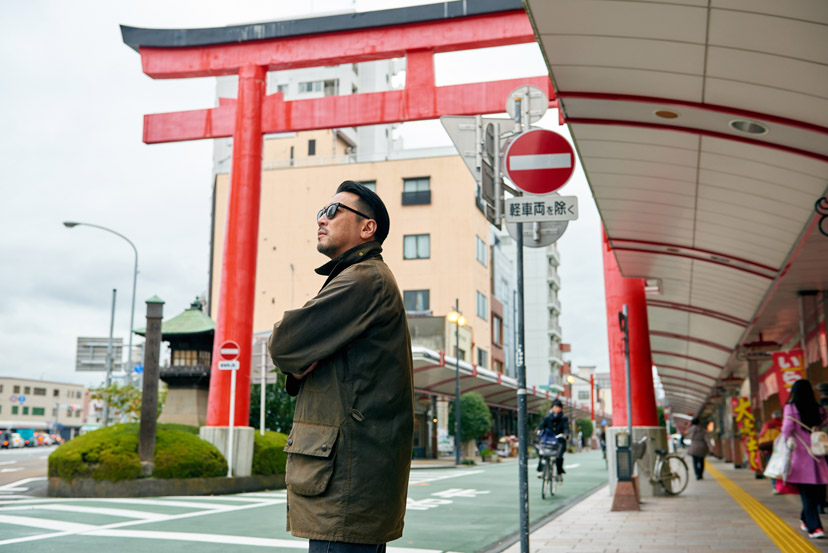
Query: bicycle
[[547, 451], [669, 470]]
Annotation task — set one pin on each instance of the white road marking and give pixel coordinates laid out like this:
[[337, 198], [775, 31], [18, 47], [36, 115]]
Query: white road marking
[[45, 524], [214, 498], [125, 513], [14, 469], [260, 503], [574, 466], [7, 462], [16, 486], [230, 540], [445, 474], [539, 161], [161, 502]]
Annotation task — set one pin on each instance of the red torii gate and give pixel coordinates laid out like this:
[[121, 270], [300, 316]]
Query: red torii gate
[[249, 52]]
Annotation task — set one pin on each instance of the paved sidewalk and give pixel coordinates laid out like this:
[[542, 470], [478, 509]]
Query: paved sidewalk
[[705, 518]]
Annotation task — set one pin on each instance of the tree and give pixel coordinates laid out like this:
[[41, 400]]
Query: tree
[[279, 406], [125, 401], [475, 417], [585, 426]]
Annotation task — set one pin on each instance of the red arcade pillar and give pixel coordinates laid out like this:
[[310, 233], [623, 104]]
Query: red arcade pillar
[[629, 291], [238, 268]]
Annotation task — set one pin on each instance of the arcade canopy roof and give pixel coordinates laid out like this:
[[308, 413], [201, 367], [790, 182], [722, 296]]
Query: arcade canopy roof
[[702, 127]]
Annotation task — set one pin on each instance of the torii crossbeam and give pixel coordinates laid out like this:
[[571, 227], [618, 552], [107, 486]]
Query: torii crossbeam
[[249, 51]]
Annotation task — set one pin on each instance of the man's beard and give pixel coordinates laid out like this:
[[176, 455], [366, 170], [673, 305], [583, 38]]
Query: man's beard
[[325, 249]]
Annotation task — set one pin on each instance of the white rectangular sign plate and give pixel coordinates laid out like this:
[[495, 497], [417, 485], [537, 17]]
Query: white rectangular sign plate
[[550, 207], [228, 365]]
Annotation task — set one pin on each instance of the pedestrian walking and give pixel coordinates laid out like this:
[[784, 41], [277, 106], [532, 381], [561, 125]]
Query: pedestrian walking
[[770, 430], [698, 446], [808, 471], [347, 357]]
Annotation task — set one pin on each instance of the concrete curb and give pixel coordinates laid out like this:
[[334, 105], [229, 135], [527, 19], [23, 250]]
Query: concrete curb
[[155, 487]]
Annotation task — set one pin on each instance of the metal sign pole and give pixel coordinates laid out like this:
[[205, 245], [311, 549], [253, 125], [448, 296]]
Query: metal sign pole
[[232, 420], [521, 401], [109, 361], [627, 371]]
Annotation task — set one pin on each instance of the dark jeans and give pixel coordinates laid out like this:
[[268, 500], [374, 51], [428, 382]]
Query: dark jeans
[[698, 466], [811, 495], [317, 546]]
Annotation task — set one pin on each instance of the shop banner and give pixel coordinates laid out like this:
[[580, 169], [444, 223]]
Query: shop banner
[[789, 368], [747, 427]]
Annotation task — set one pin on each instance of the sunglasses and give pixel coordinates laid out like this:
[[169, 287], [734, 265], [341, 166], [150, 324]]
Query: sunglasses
[[330, 211]]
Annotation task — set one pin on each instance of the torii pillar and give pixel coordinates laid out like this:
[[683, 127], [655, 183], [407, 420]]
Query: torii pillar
[[622, 291]]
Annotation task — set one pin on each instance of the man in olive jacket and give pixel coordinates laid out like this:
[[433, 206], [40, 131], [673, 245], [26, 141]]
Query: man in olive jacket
[[347, 357]]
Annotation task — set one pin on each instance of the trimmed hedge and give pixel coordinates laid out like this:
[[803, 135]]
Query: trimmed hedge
[[111, 453], [268, 453]]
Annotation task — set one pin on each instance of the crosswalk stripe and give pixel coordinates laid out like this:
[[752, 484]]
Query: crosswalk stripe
[[58, 525], [124, 513]]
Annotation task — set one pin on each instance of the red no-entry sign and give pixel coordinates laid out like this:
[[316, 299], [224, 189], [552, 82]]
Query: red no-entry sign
[[229, 350], [539, 161]]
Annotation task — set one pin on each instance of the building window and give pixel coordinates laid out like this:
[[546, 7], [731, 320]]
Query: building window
[[370, 185], [69, 413], [283, 88], [38, 411], [582, 394], [15, 409], [190, 358], [77, 414], [312, 147], [481, 251], [331, 87], [310, 86], [56, 393], [1, 388], [25, 410], [482, 306], [497, 366], [416, 191], [497, 330], [78, 394], [482, 359], [416, 300], [27, 390], [417, 246], [39, 391], [16, 389]]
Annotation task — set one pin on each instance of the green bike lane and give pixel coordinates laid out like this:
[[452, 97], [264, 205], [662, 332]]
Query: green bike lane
[[464, 510]]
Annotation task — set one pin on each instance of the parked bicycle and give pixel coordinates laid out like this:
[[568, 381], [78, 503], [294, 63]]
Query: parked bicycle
[[548, 450], [669, 469]]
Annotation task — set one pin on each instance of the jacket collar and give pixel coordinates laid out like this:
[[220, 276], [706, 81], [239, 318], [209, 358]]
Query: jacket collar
[[354, 255]]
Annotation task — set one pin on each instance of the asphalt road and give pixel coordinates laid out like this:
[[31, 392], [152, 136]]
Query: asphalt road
[[23, 472], [463, 510]]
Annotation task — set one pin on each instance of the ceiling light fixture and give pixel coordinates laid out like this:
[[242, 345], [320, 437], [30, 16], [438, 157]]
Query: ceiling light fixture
[[748, 127], [666, 114]]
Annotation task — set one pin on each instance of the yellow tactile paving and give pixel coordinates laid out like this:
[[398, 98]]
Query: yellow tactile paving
[[785, 537]]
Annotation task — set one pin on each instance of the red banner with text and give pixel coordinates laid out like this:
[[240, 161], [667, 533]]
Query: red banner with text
[[747, 427], [789, 368]]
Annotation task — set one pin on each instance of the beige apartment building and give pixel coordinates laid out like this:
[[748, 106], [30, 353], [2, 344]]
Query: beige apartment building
[[437, 247], [40, 404]]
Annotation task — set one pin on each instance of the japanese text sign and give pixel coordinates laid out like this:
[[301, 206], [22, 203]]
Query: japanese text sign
[[747, 426], [550, 207], [789, 368]]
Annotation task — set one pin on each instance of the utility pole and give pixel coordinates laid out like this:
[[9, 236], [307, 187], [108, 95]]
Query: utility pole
[[108, 381]]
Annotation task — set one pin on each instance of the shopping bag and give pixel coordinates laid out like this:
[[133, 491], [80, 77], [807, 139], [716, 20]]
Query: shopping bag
[[779, 464], [786, 488]]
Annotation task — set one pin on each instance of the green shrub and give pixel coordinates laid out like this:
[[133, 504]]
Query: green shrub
[[475, 417], [111, 453], [268, 453]]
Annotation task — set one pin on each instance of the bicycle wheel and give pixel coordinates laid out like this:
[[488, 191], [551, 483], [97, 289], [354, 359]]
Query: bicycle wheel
[[673, 474], [553, 478], [546, 478]]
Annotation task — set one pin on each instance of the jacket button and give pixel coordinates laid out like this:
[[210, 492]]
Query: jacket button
[[324, 447], [290, 441]]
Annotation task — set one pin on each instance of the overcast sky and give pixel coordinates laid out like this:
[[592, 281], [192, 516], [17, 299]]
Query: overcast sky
[[72, 97]]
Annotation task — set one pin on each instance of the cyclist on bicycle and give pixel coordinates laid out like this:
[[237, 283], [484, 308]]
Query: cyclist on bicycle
[[556, 424]]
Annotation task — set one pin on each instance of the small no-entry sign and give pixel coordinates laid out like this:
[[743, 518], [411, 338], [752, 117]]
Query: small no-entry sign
[[539, 161], [229, 351]]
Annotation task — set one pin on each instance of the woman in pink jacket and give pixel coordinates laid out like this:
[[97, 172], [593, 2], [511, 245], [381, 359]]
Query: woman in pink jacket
[[809, 472]]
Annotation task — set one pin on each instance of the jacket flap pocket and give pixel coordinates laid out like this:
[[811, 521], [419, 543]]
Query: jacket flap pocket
[[311, 439]]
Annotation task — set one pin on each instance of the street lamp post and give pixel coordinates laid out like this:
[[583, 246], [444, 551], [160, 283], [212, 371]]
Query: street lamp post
[[72, 224], [459, 320]]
